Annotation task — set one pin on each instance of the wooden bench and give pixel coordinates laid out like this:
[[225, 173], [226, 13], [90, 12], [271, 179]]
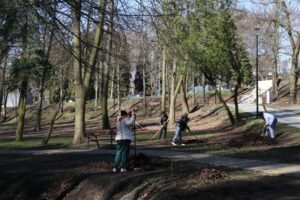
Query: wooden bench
[[97, 134]]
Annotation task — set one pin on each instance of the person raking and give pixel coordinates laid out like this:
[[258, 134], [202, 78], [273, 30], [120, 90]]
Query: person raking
[[164, 118], [181, 126], [270, 121], [123, 139]]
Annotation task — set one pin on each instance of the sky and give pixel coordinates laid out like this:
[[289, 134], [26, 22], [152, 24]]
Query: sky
[[293, 6]]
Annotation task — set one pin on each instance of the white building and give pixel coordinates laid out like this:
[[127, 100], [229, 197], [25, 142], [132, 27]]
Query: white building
[[14, 96]]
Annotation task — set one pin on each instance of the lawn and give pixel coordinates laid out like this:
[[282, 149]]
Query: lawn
[[54, 143]]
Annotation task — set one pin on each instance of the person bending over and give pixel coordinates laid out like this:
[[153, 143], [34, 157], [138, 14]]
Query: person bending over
[[270, 121]]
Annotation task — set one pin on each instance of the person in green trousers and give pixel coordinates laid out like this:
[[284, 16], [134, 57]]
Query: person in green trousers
[[123, 139]]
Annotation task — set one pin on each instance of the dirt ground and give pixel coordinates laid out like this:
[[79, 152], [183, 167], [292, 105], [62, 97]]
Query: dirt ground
[[78, 176]]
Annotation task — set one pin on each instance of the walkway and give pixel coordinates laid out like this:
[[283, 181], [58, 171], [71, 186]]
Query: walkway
[[290, 115], [265, 167]]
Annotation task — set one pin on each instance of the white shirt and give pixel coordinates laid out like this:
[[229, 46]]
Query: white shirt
[[124, 129], [269, 118]]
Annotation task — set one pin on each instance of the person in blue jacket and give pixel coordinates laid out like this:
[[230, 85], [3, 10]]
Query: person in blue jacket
[[181, 126]]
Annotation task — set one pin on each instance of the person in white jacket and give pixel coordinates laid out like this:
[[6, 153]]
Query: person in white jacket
[[123, 139], [270, 121]]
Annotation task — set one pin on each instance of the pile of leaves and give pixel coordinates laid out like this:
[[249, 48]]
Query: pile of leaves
[[210, 175], [100, 166], [140, 162], [196, 141], [250, 139]]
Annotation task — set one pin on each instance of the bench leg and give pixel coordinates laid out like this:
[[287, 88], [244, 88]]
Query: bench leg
[[97, 142], [88, 140], [111, 139]]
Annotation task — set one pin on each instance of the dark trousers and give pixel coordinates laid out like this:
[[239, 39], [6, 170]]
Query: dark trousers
[[122, 153], [163, 130]]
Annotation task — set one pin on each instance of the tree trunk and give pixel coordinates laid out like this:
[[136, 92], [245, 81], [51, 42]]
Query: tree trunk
[[104, 97], [119, 87], [6, 34], [275, 76], [231, 117], [97, 88], [50, 96], [293, 80], [104, 111], [42, 86], [63, 85], [203, 89], [295, 44], [186, 83], [79, 116], [184, 103], [81, 85], [168, 85], [21, 111], [193, 86], [97, 43], [275, 51], [46, 140], [174, 92], [144, 85], [5, 102], [2, 79], [39, 112], [112, 85], [236, 102], [163, 81], [78, 82], [61, 110]]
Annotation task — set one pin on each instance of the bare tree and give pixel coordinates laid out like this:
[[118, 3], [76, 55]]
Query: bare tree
[[82, 83], [294, 38]]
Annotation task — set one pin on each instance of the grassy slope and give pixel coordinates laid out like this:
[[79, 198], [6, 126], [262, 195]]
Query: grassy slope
[[210, 126], [245, 141]]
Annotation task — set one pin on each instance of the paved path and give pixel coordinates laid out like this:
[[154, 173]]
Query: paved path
[[290, 115], [265, 167]]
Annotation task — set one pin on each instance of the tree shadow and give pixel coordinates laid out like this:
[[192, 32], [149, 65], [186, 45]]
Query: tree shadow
[[261, 188], [196, 108], [215, 111], [217, 129]]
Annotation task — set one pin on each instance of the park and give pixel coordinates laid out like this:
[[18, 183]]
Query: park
[[149, 99]]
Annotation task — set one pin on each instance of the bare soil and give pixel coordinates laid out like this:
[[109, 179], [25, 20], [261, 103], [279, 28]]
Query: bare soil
[[89, 176], [78, 176]]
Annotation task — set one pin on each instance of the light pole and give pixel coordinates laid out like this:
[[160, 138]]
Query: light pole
[[256, 30]]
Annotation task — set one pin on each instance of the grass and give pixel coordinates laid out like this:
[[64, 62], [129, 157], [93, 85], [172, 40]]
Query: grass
[[276, 153], [287, 151], [54, 143], [286, 154], [144, 136], [273, 153]]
